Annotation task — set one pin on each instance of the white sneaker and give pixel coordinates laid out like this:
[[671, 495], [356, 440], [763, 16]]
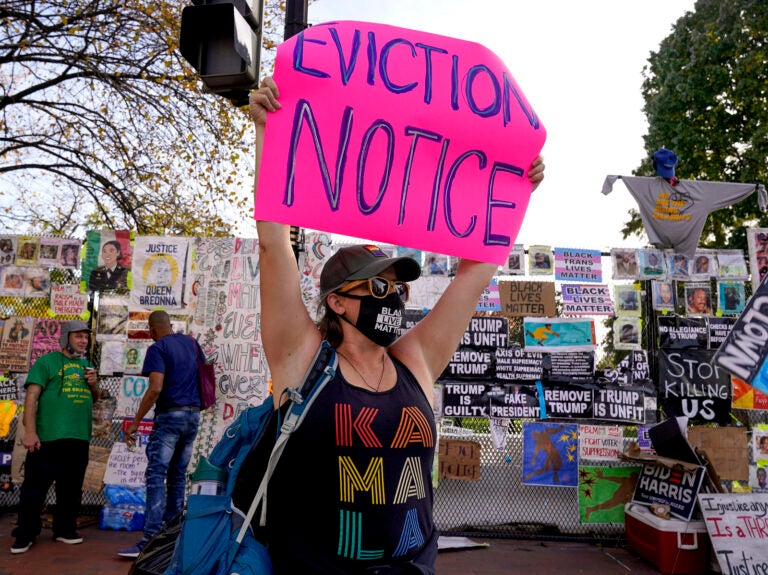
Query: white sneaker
[[69, 539], [21, 546]]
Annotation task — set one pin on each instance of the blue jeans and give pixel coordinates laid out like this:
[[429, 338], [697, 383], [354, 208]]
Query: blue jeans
[[168, 453]]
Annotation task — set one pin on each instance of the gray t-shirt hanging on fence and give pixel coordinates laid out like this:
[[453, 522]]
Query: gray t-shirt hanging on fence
[[674, 216]]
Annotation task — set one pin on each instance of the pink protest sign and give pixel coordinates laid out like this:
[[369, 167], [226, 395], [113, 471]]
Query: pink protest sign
[[399, 136]]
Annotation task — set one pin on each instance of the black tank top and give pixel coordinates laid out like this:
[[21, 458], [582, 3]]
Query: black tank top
[[353, 487]]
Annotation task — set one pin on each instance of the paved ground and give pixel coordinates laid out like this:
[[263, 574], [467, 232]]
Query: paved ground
[[96, 556]]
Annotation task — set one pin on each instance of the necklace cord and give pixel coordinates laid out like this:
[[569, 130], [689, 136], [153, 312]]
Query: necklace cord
[[365, 381]]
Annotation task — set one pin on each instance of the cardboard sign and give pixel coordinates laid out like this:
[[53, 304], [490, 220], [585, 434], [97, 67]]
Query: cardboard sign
[[97, 466], [397, 136], [533, 299], [16, 343], [736, 523], [727, 449], [459, 459]]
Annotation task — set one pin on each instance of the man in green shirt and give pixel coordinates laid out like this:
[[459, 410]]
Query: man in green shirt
[[58, 415]]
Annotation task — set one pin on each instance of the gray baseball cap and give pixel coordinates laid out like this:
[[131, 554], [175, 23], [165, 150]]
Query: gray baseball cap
[[72, 326]]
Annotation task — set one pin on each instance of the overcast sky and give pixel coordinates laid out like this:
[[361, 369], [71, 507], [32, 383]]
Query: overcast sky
[[579, 64]]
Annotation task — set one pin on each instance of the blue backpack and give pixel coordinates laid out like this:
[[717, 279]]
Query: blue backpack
[[216, 537]]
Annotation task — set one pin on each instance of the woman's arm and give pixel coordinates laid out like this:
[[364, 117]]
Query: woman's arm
[[289, 335], [427, 348]]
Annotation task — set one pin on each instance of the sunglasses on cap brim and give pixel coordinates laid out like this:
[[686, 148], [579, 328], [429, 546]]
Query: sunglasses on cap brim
[[379, 288]]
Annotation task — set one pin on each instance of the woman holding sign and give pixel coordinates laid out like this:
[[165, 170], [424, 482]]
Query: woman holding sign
[[366, 449]]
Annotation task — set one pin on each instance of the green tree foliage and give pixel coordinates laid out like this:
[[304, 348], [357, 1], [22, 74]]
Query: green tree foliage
[[706, 98], [102, 123]]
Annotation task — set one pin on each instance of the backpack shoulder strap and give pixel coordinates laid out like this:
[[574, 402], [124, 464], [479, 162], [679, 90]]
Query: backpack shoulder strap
[[301, 398], [321, 371]]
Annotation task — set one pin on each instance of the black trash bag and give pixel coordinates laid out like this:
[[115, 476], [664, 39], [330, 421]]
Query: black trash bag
[[156, 556]]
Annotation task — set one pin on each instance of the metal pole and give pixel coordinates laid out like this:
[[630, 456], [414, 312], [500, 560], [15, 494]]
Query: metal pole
[[295, 22], [295, 17]]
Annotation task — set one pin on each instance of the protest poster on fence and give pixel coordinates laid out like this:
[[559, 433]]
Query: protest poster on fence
[[225, 309], [557, 334], [112, 320], [736, 526], [425, 292], [550, 454], [396, 136], [16, 343], [489, 299], [107, 261], [158, 267], [744, 351], [620, 404], [600, 442], [8, 387], [45, 338], [67, 300], [476, 354], [578, 265], [589, 299], [132, 388], [459, 459], [603, 491], [691, 385]]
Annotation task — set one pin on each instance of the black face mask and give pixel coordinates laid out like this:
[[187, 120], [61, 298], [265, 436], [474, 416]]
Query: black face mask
[[379, 319]]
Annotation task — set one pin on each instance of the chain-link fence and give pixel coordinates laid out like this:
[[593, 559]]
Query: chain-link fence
[[498, 504], [501, 505]]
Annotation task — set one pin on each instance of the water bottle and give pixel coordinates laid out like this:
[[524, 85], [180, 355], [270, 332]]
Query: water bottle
[[208, 479]]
